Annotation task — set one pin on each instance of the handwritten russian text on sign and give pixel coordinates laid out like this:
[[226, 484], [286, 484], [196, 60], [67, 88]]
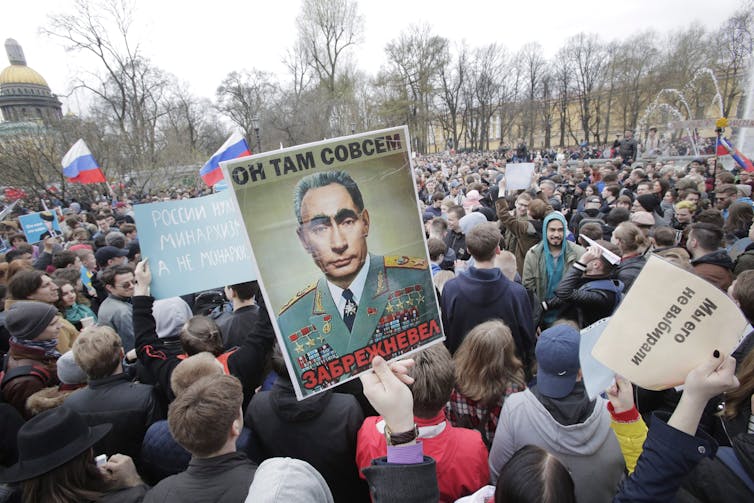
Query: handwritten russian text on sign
[[670, 322], [341, 255], [194, 244]]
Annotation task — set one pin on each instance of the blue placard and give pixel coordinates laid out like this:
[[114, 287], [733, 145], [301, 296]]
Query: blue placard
[[194, 244], [38, 226]]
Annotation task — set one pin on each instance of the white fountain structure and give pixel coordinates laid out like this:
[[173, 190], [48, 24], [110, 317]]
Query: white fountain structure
[[658, 105]]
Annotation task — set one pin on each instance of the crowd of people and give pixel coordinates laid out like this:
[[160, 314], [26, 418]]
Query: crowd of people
[[624, 146], [111, 395]]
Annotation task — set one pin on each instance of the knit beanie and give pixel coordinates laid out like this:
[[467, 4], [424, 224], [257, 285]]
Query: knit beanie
[[69, 371], [649, 202], [25, 320]]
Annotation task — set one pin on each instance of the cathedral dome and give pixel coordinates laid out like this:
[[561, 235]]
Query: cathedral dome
[[21, 74]]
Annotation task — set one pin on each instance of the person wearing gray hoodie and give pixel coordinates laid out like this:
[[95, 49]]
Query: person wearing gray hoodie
[[557, 415]]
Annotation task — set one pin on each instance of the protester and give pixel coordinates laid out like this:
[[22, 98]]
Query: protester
[[709, 260], [482, 293], [557, 415], [206, 419], [320, 430], [31, 361], [116, 311], [487, 371], [110, 396], [460, 454]]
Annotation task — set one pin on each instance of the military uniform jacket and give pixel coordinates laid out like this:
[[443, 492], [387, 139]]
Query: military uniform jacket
[[398, 296]]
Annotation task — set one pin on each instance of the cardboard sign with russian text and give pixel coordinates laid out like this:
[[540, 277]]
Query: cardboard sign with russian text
[[337, 237], [194, 244], [670, 322]]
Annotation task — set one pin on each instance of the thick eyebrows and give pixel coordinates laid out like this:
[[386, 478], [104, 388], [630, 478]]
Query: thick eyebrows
[[341, 216]]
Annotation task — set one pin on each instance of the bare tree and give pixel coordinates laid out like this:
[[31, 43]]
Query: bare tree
[[733, 43], [534, 66], [416, 59], [129, 91], [586, 54], [327, 29], [452, 79], [242, 97]]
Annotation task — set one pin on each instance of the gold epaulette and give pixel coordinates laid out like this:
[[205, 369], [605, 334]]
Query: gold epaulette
[[405, 262], [296, 297]]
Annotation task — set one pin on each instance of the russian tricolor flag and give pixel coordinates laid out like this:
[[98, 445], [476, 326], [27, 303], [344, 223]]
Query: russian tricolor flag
[[233, 148], [79, 165], [725, 148]]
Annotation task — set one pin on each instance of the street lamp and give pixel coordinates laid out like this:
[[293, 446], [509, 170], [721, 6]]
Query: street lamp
[[255, 124]]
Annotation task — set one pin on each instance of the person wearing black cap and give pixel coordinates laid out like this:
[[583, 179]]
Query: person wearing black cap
[[110, 255], [56, 463], [32, 359], [557, 415]]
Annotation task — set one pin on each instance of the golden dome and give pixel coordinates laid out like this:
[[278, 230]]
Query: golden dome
[[21, 74]]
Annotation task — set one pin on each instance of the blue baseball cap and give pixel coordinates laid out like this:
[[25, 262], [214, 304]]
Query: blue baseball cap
[[558, 364]]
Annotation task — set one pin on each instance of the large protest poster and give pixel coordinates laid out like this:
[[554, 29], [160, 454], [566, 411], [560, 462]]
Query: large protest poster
[[194, 244], [337, 238], [39, 226], [670, 322]]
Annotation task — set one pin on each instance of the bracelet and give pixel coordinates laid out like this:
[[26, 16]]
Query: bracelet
[[401, 438]]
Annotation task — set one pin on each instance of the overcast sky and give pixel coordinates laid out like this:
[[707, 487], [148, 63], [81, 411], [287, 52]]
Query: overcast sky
[[200, 42]]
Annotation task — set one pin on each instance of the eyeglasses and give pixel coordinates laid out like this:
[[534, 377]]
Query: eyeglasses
[[127, 284]]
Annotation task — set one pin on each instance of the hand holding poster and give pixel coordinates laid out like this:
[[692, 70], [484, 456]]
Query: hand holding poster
[[336, 235], [518, 175], [194, 244], [670, 322], [39, 226]]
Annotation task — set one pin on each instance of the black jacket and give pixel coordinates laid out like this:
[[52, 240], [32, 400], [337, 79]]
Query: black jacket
[[585, 306], [237, 324], [320, 430], [130, 407], [629, 269], [713, 481], [223, 479]]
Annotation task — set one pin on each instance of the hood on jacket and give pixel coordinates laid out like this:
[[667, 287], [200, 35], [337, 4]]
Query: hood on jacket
[[719, 258], [288, 480], [169, 316], [482, 286], [582, 438], [290, 409]]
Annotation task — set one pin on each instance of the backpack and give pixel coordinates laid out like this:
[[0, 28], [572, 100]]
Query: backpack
[[608, 285], [38, 371]]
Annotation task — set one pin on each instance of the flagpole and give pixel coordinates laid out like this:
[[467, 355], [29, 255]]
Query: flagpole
[[719, 130]]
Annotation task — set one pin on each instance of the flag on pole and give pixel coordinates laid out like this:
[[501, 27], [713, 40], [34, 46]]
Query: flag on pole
[[79, 165], [725, 148], [233, 148]]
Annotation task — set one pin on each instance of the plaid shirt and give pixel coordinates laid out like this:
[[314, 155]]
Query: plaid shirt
[[466, 413]]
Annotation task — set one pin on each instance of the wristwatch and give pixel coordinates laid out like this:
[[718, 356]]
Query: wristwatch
[[401, 438]]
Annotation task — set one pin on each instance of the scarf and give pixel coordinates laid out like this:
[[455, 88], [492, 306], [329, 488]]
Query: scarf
[[47, 346], [554, 268]]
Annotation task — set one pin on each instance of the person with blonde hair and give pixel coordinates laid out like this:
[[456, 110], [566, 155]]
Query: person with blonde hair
[[487, 371], [633, 244]]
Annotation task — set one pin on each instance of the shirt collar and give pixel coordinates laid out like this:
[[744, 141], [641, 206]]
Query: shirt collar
[[356, 286]]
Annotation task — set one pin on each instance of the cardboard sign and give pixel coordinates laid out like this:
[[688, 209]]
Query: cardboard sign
[[518, 175], [331, 216], [39, 226], [194, 244], [670, 322]]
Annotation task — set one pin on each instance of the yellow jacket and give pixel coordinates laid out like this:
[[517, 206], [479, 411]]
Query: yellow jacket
[[631, 432]]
